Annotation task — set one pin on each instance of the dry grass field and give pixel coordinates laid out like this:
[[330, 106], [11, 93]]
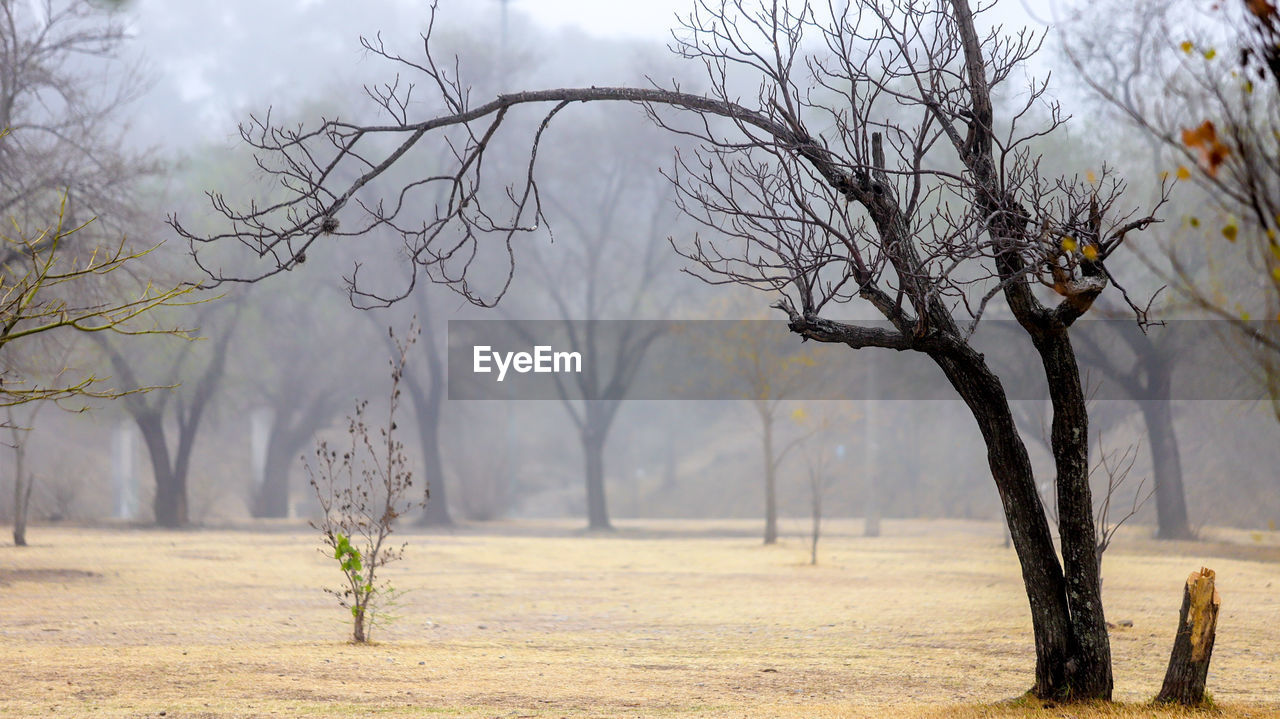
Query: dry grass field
[[538, 620]]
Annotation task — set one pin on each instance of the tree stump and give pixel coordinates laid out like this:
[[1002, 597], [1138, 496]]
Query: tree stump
[[1193, 646]]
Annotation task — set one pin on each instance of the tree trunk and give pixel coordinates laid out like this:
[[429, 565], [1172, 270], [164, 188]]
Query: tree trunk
[[1091, 676], [22, 482], [871, 509], [272, 498], [816, 533], [21, 500], [1184, 681], [1011, 469], [597, 506], [770, 483], [1171, 499], [170, 502], [426, 406]]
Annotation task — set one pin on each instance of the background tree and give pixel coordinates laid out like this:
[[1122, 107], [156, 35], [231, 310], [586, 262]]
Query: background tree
[[1199, 82], [199, 374], [960, 217], [605, 261], [67, 184], [770, 376]]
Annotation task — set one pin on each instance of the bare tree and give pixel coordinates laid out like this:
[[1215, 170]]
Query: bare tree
[[64, 85], [1115, 466], [66, 183], [1200, 83], [150, 410], [606, 262], [820, 461], [303, 397], [1148, 378], [959, 222], [754, 367]]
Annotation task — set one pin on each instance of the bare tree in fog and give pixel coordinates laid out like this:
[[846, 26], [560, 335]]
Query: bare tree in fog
[[1148, 379], [606, 261], [191, 374], [67, 193], [1202, 85], [305, 379], [424, 378], [767, 376], [922, 219]]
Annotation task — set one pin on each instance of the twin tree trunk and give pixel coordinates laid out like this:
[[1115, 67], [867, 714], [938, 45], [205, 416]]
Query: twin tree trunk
[[170, 502], [1073, 655]]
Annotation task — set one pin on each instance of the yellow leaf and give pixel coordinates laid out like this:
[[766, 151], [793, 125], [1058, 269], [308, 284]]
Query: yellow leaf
[[1187, 47], [1090, 252], [1210, 54], [1092, 178], [1069, 244], [1275, 272], [1183, 173], [1164, 175], [1230, 232], [798, 414], [1194, 221]]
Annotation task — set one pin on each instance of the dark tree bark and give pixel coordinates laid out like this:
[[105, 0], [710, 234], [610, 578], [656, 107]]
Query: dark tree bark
[[1010, 465], [1076, 530], [1184, 681]]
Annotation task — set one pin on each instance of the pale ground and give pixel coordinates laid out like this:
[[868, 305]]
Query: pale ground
[[540, 620]]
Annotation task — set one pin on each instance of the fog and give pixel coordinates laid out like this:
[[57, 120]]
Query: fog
[[700, 356]]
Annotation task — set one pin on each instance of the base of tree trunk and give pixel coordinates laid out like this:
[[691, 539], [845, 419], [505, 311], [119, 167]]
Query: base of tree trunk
[[1193, 646]]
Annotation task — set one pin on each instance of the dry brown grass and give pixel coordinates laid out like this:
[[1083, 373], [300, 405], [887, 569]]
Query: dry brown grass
[[533, 619]]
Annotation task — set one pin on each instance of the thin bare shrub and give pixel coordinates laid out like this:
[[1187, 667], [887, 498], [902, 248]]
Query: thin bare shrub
[[362, 490]]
